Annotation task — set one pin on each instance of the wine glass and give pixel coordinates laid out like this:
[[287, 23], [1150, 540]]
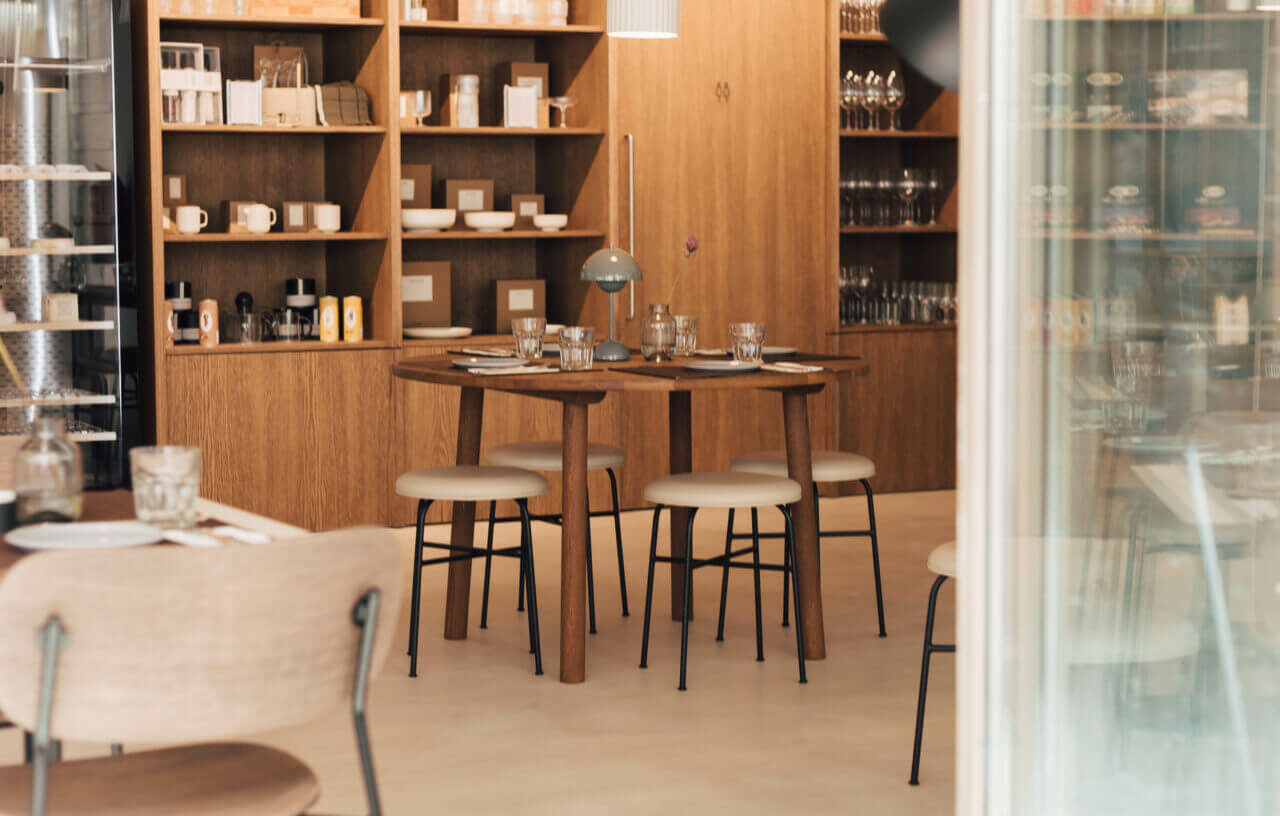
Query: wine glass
[[421, 107], [895, 94], [562, 104], [909, 186], [873, 98], [848, 98], [933, 192], [886, 194]]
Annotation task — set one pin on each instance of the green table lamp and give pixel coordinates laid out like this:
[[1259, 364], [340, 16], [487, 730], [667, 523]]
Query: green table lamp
[[611, 269]]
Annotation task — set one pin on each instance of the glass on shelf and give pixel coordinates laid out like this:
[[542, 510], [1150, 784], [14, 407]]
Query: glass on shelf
[[562, 104], [48, 475]]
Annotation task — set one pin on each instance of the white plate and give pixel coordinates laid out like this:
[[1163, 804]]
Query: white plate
[[437, 333], [722, 366], [88, 535], [778, 351], [488, 362]]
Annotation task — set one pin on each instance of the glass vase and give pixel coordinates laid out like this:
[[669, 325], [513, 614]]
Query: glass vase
[[658, 334], [48, 476]]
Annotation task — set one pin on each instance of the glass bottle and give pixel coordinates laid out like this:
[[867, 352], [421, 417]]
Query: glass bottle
[[48, 476], [658, 334]]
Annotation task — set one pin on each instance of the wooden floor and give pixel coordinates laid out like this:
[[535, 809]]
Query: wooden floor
[[477, 733]]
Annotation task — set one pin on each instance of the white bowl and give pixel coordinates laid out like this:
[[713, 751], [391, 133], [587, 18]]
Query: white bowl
[[421, 220], [550, 222], [490, 221]]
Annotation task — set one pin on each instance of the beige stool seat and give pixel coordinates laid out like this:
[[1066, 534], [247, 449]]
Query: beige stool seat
[[471, 483], [549, 456], [828, 466], [231, 778], [942, 561], [722, 490]]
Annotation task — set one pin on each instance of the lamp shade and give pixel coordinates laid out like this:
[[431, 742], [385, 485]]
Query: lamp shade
[[611, 266], [644, 19]]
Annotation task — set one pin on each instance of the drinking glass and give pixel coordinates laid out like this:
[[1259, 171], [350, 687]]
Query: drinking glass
[[887, 197], [562, 104], [895, 96], [1135, 365], [577, 348], [848, 100], [686, 335], [421, 107], [1270, 363], [529, 333], [932, 195], [166, 484], [909, 186], [873, 98], [748, 341]]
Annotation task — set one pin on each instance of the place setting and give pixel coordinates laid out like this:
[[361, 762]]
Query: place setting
[[574, 350]]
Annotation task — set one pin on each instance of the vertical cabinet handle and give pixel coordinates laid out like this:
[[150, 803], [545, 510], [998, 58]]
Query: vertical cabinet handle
[[726, 92], [631, 212]]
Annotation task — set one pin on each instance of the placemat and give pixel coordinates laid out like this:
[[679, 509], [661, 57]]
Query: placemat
[[678, 372]]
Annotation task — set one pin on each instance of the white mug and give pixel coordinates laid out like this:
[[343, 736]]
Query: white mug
[[191, 219], [259, 218], [328, 217]]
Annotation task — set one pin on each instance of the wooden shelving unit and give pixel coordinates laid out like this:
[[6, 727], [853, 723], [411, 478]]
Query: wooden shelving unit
[[274, 23], [270, 237], [321, 130], [495, 130], [506, 235], [846, 133], [457, 29]]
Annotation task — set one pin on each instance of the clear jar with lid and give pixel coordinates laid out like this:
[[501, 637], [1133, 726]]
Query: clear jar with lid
[[474, 11], [465, 101], [533, 12], [171, 107], [504, 12], [557, 12], [48, 476]]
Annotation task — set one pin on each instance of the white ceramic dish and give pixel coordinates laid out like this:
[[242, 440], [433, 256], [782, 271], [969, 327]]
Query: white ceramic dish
[[778, 351], [722, 366], [490, 221], [89, 535], [436, 333], [487, 362], [422, 220], [550, 222]]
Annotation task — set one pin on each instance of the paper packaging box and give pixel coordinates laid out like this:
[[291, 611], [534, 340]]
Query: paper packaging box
[[295, 216], [526, 75], [468, 195], [244, 102], [426, 295], [526, 206], [519, 107], [295, 107], [233, 215], [415, 186], [174, 189], [519, 298]]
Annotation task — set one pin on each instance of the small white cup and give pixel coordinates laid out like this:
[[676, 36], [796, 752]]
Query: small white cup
[[190, 219], [4, 244], [258, 218], [328, 217]]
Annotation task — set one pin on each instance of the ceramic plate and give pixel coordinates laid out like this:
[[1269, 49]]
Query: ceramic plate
[[487, 362], [97, 535], [722, 366], [777, 351], [449, 333]]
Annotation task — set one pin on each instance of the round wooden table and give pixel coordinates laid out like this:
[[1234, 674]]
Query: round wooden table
[[580, 389]]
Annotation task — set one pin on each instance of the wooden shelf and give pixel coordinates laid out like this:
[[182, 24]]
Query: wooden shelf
[[442, 344], [87, 249], [490, 130], [474, 235], [90, 176], [59, 325], [863, 38], [247, 21], [455, 28], [934, 229], [269, 237], [276, 347], [78, 398], [846, 133], [1154, 127], [273, 130], [905, 327]]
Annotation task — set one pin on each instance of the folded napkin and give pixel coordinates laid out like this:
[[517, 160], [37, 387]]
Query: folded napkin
[[494, 372], [791, 368], [488, 352], [710, 352]]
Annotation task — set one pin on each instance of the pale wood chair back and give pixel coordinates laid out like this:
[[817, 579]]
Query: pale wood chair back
[[174, 644]]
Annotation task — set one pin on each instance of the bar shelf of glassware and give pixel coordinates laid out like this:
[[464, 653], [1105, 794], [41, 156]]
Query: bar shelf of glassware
[[867, 301]]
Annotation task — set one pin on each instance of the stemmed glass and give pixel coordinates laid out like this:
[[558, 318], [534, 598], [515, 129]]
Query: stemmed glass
[[873, 98], [859, 91], [895, 94], [933, 192], [909, 187], [849, 99], [421, 107], [562, 104], [887, 193]]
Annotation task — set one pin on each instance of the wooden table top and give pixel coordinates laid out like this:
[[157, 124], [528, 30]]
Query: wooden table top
[[630, 376]]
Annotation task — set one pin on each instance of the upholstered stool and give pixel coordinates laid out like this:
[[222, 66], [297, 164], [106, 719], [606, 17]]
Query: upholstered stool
[[548, 457], [942, 563], [833, 467], [698, 490], [471, 484]]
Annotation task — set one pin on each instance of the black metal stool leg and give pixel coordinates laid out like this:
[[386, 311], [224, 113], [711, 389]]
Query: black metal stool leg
[[415, 609], [688, 591], [488, 565], [786, 585], [795, 593], [617, 534], [116, 749], [648, 592], [924, 678], [591, 577], [526, 546], [875, 552], [520, 590], [724, 579], [755, 562]]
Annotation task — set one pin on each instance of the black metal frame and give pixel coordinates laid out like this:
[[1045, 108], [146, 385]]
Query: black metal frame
[[558, 520], [786, 562], [524, 552], [929, 648], [726, 561]]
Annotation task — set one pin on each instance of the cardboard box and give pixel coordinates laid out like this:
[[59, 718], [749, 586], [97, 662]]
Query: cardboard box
[[174, 189], [519, 107], [446, 118], [519, 298], [295, 216], [526, 206], [426, 294], [233, 215], [544, 113], [415, 186], [468, 195], [526, 75]]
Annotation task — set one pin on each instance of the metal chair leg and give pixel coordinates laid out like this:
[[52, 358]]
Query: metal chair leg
[[116, 749], [786, 583], [591, 577], [520, 590], [488, 565], [755, 562], [924, 678], [526, 546], [875, 552], [648, 593], [724, 579], [423, 506], [688, 591], [795, 594], [617, 534]]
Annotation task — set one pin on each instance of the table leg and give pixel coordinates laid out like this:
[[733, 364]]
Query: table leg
[[458, 595], [680, 430], [573, 547], [800, 465]]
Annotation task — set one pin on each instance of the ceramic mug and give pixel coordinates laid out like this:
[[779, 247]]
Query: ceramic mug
[[258, 218], [328, 217], [191, 219]]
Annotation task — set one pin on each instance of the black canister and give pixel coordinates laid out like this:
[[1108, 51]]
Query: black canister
[[187, 327]]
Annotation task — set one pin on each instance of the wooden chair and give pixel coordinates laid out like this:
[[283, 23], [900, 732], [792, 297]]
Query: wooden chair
[[174, 645]]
